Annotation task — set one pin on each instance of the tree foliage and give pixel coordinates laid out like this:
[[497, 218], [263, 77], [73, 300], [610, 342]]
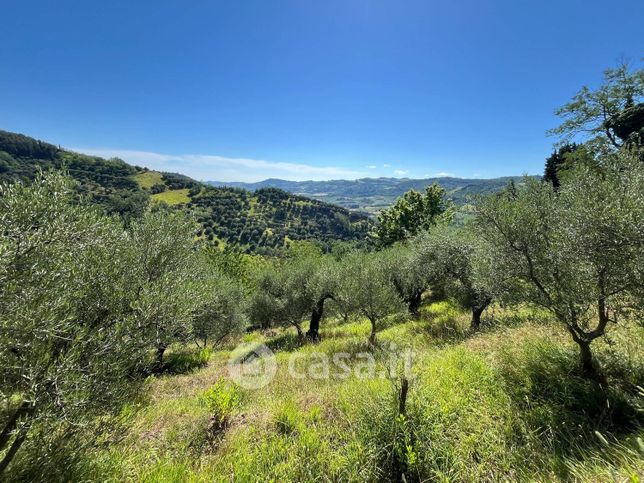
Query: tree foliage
[[408, 274], [366, 286], [165, 278], [456, 263], [557, 162], [220, 312], [575, 252], [412, 213], [68, 339], [613, 114], [294, 289], [83, 300]]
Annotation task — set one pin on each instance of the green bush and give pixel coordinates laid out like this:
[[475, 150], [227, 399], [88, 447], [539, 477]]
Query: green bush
[[222, 400]]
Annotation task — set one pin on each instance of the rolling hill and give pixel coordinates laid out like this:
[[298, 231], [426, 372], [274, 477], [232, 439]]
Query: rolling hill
[[261, 221], [373, 194]]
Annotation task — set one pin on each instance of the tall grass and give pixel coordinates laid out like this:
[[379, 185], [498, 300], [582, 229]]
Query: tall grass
[[502, 405]]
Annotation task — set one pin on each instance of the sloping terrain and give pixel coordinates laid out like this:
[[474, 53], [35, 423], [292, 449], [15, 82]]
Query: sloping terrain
[[500, 405], [258, 222]]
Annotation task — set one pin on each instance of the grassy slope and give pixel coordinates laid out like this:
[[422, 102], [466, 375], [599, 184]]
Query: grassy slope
[[503, 404], [173, 197], [148, 179]]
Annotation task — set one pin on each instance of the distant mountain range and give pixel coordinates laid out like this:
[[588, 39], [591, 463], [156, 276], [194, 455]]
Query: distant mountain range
[[373, 194]]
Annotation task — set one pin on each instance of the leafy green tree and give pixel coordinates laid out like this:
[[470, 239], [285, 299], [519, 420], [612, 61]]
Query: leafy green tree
[[297, 287], [577, 252], [278, 299], [366, 285], [407, 274], [613, 114], [165, 278], [411, 214], [68, 340], [220, 313], [321, 286], [556, 162], [455, 262]]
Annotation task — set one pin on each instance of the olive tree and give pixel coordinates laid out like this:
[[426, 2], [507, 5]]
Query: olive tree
[[278, 300], [219, 314], [407, 273], [165, 278], [577, 252], [366, 285], [68, 339], [321, 286], [295, 289], [454, 261]]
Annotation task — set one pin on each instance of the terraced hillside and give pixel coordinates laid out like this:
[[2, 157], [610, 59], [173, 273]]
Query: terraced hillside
[[262, 221]]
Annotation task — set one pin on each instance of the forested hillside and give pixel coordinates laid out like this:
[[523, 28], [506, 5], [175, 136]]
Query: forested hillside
[[374, 194], [110, 183], [256, 222]]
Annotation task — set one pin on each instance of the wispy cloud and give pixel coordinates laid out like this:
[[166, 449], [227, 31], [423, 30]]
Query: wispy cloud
[[386, 165], [401, 172], [219, 168], [371, 166], [443, 174]]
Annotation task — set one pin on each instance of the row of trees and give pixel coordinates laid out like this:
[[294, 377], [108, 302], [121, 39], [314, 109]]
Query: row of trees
[[88, 306], [577, 251], [372, 284]]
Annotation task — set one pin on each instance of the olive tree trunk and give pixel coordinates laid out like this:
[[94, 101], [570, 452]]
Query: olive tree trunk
[[413, 303], [477, 312], [316, 317], [372, 336], [158, 363], [25, 410]]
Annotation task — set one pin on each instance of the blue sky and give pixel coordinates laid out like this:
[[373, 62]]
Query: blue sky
[[307, 89]]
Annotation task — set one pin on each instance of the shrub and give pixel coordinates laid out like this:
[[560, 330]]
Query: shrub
[[222, 401]]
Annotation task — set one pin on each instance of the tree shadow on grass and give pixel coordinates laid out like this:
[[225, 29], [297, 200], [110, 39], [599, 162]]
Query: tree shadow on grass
[[574, 416], [185, 361], [448, 322], [445, 321], [287, 341]]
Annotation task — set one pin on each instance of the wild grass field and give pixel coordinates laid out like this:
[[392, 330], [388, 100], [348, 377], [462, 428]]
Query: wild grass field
[[147, 179], [173, 197], [504, 404]]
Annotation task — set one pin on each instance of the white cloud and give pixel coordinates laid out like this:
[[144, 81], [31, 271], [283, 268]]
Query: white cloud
[[371, 166], [444, 174], [219, 168], [386, 165], [401, 172]]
